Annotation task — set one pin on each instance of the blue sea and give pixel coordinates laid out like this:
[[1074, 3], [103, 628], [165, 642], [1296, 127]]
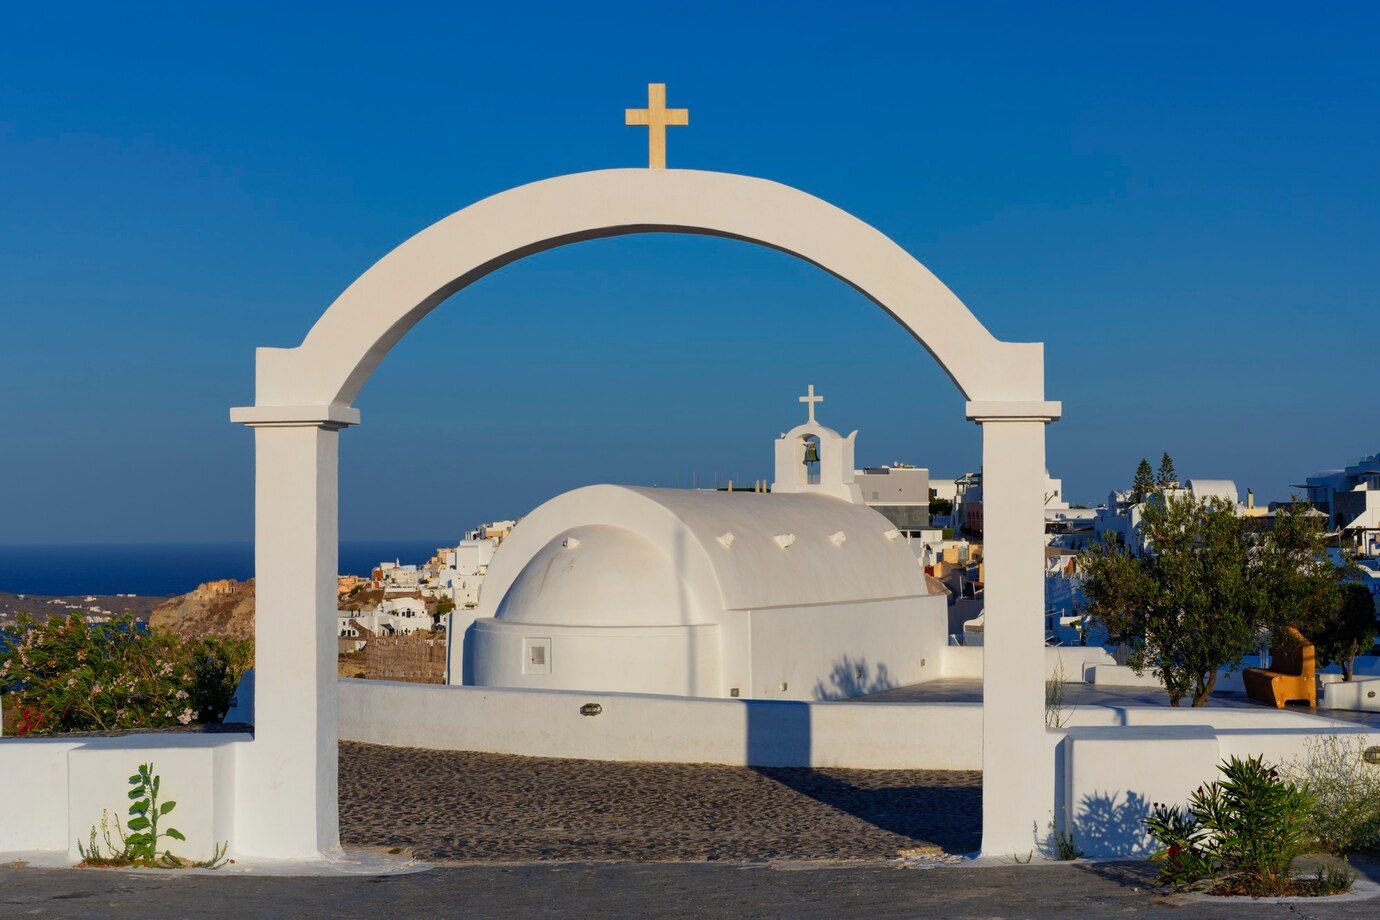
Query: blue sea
[[158, 569]]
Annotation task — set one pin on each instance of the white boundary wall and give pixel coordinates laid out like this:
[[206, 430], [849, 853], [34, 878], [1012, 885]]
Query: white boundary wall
[[648, 728], [56, 788]]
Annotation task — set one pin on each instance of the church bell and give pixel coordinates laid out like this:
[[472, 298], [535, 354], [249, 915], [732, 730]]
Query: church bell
[[811, 451]]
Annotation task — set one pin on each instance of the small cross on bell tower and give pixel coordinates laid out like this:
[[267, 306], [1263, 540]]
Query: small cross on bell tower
[[815, 458], [810, 399]]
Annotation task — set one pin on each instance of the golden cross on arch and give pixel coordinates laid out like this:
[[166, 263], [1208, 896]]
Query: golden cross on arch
[[655, 118]]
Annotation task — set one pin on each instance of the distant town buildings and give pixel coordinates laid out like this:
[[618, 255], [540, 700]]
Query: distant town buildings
[[401, 616], [1350, 498], [1122, 514], [899, 492]]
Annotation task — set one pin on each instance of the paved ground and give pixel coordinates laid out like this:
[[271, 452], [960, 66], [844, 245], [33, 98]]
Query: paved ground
[[458, 806], [647, 890], [969, 690]]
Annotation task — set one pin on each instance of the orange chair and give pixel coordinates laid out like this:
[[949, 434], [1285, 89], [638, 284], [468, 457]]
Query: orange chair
[[1291, 675]]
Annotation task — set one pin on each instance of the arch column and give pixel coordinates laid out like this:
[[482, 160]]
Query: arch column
[[286, 785], [1017, 766]]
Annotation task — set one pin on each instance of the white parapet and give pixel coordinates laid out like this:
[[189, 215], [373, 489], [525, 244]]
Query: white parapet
[[57, 789], [1359, 693], [650, 728]]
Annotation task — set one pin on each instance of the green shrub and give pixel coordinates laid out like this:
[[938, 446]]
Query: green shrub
[[1345, 817], [70, 675], [1244, 832]]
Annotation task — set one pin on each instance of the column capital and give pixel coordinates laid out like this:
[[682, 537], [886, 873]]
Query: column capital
[[1033, 410], [332, 417]]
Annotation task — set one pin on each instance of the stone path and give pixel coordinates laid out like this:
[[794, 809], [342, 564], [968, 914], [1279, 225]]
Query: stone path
[[666, 891], [451, 806]]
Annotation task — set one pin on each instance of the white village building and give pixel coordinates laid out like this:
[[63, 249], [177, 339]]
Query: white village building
[[800, 593], [1123, 517], [394, 616], [1350, 498], [467, 563]]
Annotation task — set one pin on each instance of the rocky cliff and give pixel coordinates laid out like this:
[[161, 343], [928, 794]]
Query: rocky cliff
[[217, 608]]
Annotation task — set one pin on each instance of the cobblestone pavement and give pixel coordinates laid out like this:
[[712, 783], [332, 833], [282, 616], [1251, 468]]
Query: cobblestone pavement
[[459, 806], [644, 890]]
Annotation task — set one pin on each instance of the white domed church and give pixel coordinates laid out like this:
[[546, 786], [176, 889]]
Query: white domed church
[[802, 592]]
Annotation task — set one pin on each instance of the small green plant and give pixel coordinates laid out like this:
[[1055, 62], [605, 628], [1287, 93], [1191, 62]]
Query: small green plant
[[145, 812], [1332, 879], [1345, 817], [1057, 709], [1242, 832], [1065, 846], [139, 840]]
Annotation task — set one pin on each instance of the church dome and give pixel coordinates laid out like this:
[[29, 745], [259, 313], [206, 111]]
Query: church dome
[[597, 575]]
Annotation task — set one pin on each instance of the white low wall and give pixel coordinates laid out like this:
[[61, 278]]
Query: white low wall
[[1076, 661], [1115, 675], [643, 727], [56, 789], [1114, 762]]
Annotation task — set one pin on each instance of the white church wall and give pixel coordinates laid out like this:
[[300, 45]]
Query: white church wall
[[835, 651], [644, 727], [735, 652], [460, 645], [678, 660]]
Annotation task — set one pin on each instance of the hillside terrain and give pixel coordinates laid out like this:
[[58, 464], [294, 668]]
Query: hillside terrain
[[218, 608]]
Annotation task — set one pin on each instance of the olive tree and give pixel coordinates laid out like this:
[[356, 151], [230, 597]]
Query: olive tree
[[1350, 633], [1207, 585]]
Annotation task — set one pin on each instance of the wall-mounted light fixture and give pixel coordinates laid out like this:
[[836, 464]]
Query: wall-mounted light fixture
[[591, 709], [1371, 754]]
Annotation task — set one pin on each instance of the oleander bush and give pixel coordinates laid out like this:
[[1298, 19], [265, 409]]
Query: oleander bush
[[1240, 835], [65, 674], [1345, 817]]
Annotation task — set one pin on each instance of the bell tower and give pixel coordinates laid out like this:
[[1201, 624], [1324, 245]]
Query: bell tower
[[815, 458]]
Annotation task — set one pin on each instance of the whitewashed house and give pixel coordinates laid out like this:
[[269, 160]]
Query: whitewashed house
[[394, 616], [1350, 498]]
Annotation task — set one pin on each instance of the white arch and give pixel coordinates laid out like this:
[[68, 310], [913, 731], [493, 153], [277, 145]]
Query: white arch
[[345, 346], [287, 781]]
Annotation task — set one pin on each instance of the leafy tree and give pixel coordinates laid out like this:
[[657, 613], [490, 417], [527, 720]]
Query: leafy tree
[[1208, 584], [1350, 633], [444, 605], [1167, 477], [1144, 483], [1188, 606], [1304, 585], [941, 506]]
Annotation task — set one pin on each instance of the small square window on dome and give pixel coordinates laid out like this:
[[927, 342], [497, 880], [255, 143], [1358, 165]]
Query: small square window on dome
[[536, 656]]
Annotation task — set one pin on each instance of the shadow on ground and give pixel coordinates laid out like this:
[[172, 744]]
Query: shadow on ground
[[948, 817]]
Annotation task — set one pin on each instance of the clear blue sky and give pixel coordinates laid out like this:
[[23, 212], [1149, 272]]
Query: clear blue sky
[[1180, 200]]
